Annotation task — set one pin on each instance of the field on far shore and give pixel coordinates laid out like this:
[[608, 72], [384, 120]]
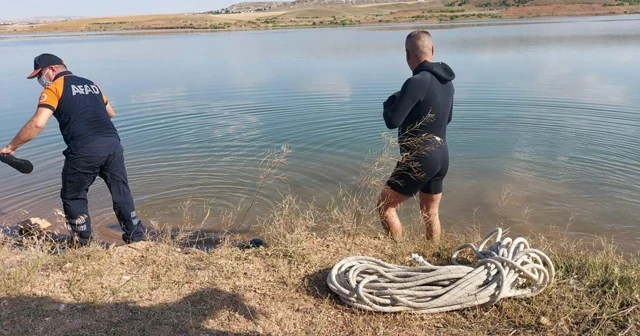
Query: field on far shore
[[419, 12]]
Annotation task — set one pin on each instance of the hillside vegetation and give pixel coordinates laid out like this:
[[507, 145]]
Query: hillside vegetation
[[318, 14]]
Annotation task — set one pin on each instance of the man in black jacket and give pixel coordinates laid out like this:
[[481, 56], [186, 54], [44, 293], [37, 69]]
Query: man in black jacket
[[421, 111]]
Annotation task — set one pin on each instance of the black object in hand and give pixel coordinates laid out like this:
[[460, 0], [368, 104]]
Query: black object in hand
[[21, 165]]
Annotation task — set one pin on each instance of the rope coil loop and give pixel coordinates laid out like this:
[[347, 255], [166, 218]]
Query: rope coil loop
[[507, 268]]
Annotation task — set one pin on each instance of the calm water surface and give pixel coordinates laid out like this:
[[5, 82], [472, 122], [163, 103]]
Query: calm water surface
[[548, 109]]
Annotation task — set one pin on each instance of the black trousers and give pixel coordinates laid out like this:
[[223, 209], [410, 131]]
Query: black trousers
[[101, 157]]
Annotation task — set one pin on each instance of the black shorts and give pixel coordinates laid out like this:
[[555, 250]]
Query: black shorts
[[424, 174]]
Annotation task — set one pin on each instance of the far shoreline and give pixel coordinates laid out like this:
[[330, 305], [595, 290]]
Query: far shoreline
[[455, 23]]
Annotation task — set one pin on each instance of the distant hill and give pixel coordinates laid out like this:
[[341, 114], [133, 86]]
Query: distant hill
[[248, 7], [245, 7], [319, 3], [327, 13], [252, 7]]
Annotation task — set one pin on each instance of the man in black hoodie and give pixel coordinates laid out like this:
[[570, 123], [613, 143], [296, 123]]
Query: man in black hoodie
[[421, 111]]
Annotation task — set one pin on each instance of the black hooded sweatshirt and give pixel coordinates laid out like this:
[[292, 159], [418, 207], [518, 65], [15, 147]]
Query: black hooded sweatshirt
[[428, 91]]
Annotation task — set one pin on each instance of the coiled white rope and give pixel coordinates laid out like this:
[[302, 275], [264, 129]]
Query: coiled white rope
[[508, 268]]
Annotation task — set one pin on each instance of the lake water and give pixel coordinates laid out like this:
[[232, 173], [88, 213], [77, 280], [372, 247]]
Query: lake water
[[547, 108]]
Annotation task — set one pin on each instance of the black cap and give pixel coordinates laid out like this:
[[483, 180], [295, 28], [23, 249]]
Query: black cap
[[43, 61]]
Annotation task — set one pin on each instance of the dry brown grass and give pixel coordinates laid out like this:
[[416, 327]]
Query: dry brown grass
[[165, 288], [550, 10], [142, 22]]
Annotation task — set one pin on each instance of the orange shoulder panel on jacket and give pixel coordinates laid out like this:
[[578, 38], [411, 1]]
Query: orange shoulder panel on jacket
[[50, 96]]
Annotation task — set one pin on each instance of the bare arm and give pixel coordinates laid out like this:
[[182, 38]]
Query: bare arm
[[30, 130], [110, 110]]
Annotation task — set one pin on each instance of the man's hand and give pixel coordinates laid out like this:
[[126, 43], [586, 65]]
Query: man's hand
[[6, 150], [110, 112]]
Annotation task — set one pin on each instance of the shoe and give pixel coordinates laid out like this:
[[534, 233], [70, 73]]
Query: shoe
[[253, 243], [127, 239]]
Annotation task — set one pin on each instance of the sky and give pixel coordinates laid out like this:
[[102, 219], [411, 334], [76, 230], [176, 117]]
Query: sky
[[19, 9]]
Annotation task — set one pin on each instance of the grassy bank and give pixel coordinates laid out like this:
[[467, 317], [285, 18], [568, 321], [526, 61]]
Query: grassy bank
[[163, 288]]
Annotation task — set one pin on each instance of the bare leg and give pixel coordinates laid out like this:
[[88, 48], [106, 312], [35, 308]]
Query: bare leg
[[429, 208], [387, 205]]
